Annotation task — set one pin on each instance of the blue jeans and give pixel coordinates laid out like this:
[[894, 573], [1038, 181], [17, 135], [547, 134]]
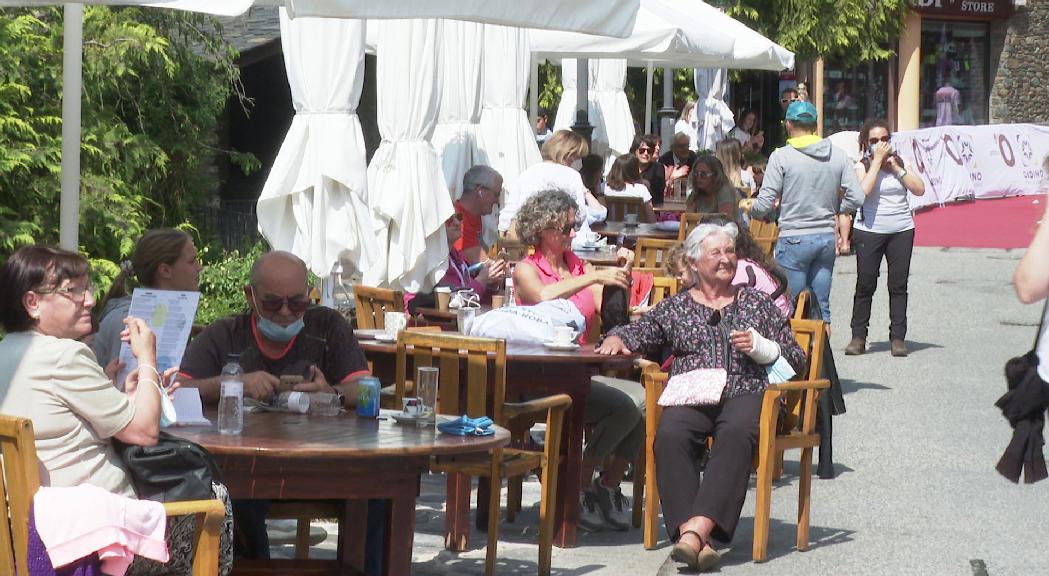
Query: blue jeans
[[808, 261]]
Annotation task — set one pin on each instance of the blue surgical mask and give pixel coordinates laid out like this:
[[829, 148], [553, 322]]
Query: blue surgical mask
[[276, 333]]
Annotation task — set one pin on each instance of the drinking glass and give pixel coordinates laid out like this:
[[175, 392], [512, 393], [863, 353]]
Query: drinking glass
[[426, 388]]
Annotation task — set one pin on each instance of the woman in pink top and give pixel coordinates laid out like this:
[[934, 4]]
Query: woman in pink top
[[614, 408]]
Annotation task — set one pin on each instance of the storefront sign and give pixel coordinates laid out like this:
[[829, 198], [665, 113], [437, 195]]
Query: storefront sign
[[975, 161], [970, 8]]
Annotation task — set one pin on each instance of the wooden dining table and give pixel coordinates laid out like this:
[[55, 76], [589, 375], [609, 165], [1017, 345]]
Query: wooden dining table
[[677, 205], [285, 456], [631, 233], [532, 371]]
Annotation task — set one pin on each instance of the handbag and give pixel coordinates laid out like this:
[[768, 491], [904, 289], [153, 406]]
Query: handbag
[[173, 470], [702, 387]]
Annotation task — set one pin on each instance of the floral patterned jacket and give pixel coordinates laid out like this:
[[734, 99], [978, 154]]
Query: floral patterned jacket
[[693, 333]]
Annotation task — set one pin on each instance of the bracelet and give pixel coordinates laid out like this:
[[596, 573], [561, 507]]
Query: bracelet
[[901, 174]]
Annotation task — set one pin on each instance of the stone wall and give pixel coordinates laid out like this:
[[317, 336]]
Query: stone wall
[[1020, 90]]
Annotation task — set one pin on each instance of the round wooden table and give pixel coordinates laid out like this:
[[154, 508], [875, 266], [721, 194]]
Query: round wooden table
[[532, 371], [282, 456]]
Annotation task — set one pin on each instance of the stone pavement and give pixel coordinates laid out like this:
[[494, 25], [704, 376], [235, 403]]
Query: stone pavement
[[916, 491]]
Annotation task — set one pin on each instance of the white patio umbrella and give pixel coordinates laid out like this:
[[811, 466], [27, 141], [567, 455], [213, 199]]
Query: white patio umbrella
[[315, 200], [406, 190], [458, 119], [609, 109], [714, 115], [507, 137], [614, 17]]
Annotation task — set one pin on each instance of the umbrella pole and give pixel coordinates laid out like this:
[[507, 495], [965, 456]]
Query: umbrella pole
[[648, 98], [72, 72], [582, 124], [533, 90]]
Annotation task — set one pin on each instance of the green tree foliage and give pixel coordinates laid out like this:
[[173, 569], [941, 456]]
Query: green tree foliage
[[847, 31], [155, 85]]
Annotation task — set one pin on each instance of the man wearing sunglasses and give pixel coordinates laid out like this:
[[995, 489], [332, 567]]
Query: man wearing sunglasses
[[804, 177], [280, 335]]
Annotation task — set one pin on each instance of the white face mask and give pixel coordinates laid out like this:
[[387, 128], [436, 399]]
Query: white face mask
[[577, 164]]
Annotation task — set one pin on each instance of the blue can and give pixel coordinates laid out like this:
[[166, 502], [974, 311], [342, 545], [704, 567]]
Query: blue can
[[368, 397]]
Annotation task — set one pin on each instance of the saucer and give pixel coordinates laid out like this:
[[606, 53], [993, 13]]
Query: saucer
[[384, 337], [560, 346]]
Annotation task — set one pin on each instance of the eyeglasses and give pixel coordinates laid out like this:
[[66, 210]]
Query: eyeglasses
[[566, 229], [296, 304], [644, 150], [75, 293], [874, 141], [787, 100], [703, 174]]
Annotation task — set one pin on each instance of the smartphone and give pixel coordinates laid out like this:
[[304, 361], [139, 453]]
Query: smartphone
[[474, 269], [288, 382]]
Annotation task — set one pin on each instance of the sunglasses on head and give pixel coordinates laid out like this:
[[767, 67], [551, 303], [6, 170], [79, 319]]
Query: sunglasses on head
[[296, 304], [874, 141]]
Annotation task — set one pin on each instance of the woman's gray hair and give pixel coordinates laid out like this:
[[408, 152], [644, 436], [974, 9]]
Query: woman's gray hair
[[693, 250], [546, 209]]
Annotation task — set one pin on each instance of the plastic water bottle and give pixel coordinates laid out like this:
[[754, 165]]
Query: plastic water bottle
[[510, 296], [298, 402], [324, 404], [231, 397]]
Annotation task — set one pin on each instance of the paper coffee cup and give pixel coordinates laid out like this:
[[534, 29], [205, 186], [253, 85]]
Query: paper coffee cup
[[498, 301], [444, 296]]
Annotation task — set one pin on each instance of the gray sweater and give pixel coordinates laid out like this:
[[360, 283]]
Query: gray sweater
[[106, 343], [806, 180]]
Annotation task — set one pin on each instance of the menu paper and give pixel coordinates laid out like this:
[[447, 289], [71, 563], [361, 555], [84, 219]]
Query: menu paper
[[170, 314]]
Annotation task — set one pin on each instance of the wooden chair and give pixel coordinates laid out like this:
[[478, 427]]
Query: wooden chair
[[620, 206], [662, 287], [448, 352], [801, 306], [373, 303], [800, 397], [765, 235], [20, 473], [689, 220], [651, 252]]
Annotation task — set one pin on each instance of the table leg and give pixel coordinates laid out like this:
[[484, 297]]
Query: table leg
[[457, 513], [352, 528], [484, 488], [400, 534], [566, 515]]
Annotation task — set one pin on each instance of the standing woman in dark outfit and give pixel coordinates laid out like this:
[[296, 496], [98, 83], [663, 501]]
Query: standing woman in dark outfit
[[884, 227]]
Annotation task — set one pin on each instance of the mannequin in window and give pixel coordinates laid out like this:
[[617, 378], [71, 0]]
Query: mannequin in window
[[947, 100]]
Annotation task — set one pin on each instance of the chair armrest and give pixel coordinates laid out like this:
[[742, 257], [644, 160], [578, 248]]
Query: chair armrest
[[798, 385], [208, 532], [539, 405], [643, 365]]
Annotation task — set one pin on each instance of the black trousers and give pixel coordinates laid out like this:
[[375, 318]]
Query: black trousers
[[870, 247], [680, 443]]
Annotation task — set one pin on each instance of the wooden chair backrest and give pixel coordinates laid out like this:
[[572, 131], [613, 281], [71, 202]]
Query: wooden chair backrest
[[651, 252], [620, 206], [765, 235], [373, 303], [509, 250], [21, 479], [689, 220], [811, 335], [662, 287], [801, 306], [448, 352]]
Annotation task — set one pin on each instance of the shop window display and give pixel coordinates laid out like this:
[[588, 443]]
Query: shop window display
[[851, 95], [954, 73]]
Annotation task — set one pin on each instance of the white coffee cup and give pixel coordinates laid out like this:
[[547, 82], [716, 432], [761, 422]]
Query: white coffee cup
[[563, 335], [395, 322]]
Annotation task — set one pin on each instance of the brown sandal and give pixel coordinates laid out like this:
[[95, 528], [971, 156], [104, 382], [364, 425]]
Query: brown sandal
[[703, 560]]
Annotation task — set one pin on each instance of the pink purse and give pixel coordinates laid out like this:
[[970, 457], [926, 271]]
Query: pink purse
[[702, 387]]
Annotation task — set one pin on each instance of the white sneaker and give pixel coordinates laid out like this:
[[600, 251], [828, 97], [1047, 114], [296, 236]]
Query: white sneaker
[[589, 518]]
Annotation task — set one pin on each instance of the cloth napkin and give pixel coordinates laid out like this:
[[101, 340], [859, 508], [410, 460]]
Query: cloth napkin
[[466, 426]]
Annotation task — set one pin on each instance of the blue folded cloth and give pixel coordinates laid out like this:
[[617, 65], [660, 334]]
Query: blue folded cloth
[[466, 426]]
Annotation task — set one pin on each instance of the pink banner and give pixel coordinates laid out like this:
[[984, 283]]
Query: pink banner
[[975, 161]]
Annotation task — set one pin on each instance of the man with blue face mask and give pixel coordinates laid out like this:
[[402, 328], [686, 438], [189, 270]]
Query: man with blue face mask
[[281, 335]]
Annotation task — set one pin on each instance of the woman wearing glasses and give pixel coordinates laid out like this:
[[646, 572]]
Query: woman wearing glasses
[[164, 259], [884, 228], [653, 174], [711, 189], [614, 407], [50, 377]]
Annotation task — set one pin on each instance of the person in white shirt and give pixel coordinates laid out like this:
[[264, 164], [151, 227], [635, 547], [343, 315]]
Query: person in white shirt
[[748, 134], [562, 156], [688, 124], [624, 180]]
